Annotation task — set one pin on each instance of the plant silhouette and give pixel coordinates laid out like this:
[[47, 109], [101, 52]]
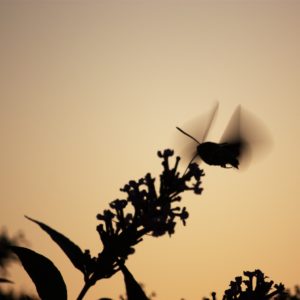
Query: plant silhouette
[[7, 257], [255, 287], [156, 210], [149, 208]]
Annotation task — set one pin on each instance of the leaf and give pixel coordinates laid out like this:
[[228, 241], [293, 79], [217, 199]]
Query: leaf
[[133, 289], [48, 281], [73, 252], [4, 280]]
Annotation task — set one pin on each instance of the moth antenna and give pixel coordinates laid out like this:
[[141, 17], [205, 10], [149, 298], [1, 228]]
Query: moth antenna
[[188, 135]]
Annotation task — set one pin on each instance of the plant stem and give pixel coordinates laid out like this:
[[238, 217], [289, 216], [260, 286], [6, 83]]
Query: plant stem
[[84, 291]]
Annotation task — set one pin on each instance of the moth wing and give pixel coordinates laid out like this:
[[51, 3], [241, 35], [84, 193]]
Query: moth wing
[[247, 130], [198, 128]]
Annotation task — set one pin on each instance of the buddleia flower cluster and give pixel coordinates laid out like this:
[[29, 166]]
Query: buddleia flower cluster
[[255, 287], [148, 208]]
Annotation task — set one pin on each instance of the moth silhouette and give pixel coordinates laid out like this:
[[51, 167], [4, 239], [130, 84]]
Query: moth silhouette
[[243, 136]]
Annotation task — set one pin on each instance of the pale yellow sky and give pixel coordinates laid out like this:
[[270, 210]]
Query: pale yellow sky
[[90, 90]]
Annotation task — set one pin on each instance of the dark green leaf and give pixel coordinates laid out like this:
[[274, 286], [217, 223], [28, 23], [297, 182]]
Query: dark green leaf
[[133, 289], [48, 281], [73, 252]]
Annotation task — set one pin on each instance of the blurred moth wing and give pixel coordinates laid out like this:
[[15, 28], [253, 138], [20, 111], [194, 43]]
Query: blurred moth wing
[[196, 132], [250, 133]]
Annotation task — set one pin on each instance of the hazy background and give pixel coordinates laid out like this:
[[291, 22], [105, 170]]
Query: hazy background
[[90, 90]]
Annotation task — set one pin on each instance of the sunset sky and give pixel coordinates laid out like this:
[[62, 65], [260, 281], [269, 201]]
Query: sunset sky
[[90, 90]]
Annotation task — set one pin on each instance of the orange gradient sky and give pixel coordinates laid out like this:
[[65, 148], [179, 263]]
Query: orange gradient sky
[[90, 90]]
